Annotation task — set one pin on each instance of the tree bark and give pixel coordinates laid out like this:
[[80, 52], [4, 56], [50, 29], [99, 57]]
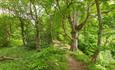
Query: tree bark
[[75, 28], [37, 26], [37, 38], [3, 58], [22, 30], [74, 41], [99, 42], [74, 32], [50, 33]]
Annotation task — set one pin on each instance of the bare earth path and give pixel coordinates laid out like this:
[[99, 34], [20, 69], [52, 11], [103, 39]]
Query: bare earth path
[[75, 65]]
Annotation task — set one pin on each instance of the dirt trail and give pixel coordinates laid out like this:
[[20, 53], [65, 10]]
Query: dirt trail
[[75, 65]]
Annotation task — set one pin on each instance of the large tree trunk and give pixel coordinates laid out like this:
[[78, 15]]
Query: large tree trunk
[[99, 42], [74, 41], [74, 32]]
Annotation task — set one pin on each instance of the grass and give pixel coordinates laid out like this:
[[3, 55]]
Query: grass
[[107, 63], [32, 60], [79, 55], [22, 62], [47, 59]]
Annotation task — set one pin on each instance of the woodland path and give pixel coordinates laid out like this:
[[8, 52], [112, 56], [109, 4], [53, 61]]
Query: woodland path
[[75, 65]]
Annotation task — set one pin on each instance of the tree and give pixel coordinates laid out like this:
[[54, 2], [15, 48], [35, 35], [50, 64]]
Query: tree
[[100, 24]]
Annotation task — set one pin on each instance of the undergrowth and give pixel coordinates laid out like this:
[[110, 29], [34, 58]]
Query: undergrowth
[[47, 59]]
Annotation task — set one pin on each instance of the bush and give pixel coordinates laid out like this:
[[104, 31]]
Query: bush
[[88, 47], [105, 59], [104, 62]]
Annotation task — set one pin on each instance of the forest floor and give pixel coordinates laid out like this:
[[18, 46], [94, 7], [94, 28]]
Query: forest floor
[[74, 64], [26, 59], [22, 58]]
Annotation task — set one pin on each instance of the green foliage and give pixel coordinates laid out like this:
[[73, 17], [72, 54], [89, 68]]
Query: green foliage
[[21, 55], [4, 31], [15, 43], [105, 61], [50, 59], [86, 47], [79, 55], [50, 20], [91, 66]]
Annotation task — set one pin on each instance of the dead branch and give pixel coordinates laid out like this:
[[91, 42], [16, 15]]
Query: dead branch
[[3, 58]]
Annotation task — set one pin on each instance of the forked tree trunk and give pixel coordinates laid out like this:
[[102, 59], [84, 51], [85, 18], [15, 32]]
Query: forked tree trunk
[[72, 18], [74, 32]]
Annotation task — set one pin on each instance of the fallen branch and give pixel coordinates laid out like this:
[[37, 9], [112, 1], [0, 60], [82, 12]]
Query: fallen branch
[[2, 58]]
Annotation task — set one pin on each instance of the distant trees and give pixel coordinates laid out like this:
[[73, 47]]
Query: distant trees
[[6, 30]]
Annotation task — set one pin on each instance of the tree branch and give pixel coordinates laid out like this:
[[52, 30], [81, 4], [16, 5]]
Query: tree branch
[[2, 58], [80, 26]]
